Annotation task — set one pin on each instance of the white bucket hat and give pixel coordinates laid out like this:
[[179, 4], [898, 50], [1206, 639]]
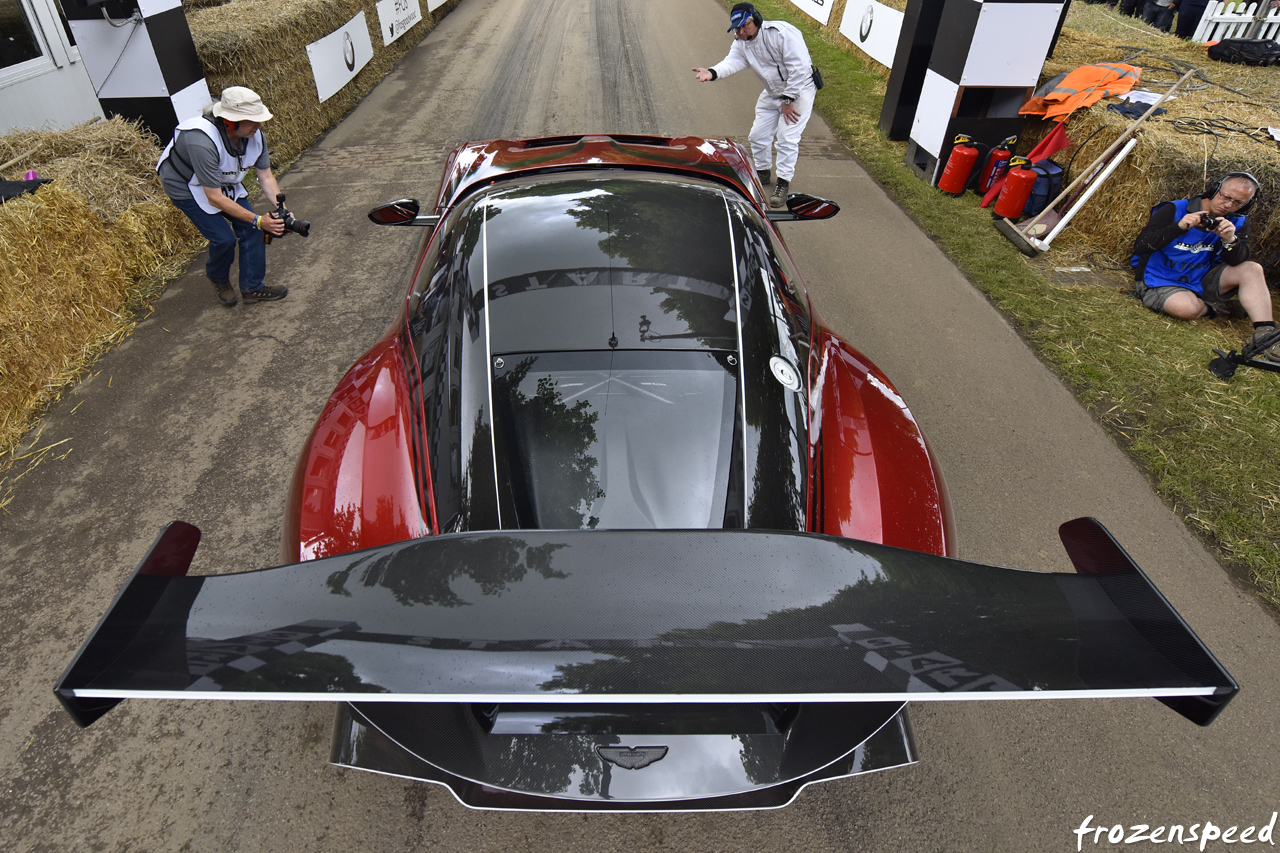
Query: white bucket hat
[[241, 104]]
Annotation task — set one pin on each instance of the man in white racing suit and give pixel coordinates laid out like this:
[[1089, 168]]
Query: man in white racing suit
[[777, 53]]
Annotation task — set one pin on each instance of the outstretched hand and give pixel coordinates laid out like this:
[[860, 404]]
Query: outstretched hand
[[703, 75]]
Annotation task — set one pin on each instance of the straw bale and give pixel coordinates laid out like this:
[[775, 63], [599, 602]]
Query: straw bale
[[263, 46], [109, 163], [1173, 158], [76, 256]]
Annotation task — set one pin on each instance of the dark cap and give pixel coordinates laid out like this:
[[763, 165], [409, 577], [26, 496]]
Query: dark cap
[[740, 14]]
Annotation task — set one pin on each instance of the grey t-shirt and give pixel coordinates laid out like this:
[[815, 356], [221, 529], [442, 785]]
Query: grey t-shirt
[[194, 151]]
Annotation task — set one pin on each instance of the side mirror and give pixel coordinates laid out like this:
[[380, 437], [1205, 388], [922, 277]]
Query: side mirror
[[801, 206], [402, 211]]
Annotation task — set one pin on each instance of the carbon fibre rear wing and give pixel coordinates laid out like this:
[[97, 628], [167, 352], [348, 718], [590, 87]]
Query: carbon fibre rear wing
[[706, 616]]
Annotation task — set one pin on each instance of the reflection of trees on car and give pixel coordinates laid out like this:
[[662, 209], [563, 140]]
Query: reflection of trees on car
[[957, 625], [699, 311], [775, 414], [549, 440], [493, 563], [642, 225], [519, 762]]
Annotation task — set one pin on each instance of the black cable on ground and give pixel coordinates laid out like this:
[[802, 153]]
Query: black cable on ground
[[1178, 69]]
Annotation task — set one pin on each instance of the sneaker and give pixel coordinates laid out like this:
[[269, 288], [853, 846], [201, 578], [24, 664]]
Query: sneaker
[[766, 177], [779, 198], [266, 293], [226, 294], [1272, 352]]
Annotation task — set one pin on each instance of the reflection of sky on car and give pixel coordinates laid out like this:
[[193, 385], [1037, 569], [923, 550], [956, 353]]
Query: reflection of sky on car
[[542, 236], [534, 607], [495, 672]]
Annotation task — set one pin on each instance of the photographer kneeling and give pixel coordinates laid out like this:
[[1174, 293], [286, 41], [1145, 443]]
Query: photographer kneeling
[[202, 171], [1193, 255]]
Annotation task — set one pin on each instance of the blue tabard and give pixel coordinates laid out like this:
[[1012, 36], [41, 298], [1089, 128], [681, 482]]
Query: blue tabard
[[1184, 262]]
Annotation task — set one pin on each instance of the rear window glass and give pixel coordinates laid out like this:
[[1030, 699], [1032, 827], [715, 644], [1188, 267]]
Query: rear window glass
[[616, 440], [608, 261]]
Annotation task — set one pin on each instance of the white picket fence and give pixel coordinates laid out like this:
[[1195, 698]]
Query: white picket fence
[[1232, 19]]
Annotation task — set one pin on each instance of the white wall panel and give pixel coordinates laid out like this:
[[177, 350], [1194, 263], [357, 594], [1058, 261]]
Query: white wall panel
[[937, 100], [1010, 44]]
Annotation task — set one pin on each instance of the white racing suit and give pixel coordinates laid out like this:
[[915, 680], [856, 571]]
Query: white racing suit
[[780, 58]]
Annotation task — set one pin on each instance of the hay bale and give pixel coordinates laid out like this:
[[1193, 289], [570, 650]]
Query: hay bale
[[110, 163], [77, 256]]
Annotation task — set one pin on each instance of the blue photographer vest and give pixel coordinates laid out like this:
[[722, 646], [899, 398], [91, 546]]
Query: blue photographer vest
[[1184, 262]]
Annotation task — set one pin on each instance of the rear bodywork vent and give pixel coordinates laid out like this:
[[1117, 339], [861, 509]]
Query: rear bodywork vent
[[623, 138]]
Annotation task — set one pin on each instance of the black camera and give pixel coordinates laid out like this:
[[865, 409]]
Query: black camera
[[1208, 223], [301, 227]]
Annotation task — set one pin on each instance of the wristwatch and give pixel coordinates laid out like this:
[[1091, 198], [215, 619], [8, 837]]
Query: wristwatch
[[787, 99]]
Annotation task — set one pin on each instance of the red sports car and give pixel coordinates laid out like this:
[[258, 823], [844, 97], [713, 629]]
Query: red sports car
[[610, 520]]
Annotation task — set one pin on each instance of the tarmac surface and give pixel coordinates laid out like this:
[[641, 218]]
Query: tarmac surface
[[199, 414]]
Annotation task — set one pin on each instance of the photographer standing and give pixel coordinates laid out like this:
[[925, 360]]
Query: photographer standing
[[202, 171], [1194, 255]]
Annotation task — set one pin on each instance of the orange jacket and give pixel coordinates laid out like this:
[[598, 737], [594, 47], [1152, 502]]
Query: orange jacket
[[1084, 87]]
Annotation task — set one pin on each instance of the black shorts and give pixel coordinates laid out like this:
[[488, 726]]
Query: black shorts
[[1155, 297]]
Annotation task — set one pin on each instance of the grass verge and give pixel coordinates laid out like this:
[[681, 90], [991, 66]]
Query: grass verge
[[1208, 446]]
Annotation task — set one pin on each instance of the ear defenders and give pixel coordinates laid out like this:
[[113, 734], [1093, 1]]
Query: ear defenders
[[1213, 188]]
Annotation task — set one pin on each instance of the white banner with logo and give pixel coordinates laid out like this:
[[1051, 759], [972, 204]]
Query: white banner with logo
[[873, 28], [395, 17], [337, 57], [819, 9]]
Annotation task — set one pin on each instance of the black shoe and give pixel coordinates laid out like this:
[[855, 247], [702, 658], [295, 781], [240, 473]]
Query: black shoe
[[266, 293], [779, 198], [766, 177], [1267, 343], [226, 294]]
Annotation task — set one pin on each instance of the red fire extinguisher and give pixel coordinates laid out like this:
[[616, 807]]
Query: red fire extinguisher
[[1016, 190], [955, 177], [995, 166]]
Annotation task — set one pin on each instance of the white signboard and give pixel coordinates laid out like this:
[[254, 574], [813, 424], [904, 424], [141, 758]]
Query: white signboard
[[337, 57], [873, 28], [395, 17], [819, 9], [432, 5], [1010, 43]]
